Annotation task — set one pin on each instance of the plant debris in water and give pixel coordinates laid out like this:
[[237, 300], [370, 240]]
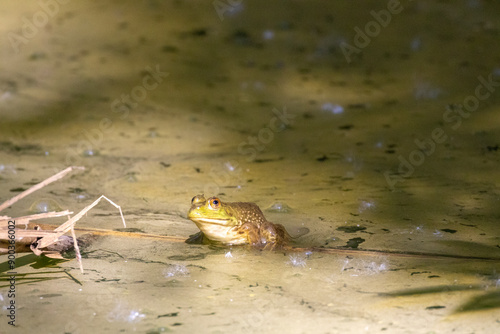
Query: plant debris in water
[[354, 242], [44, 242], [351, 229]]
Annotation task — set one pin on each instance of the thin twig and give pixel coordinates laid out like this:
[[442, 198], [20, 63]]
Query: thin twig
[[77, 249], [38, 186]]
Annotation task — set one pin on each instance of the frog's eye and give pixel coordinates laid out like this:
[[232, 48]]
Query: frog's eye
[[214, 203]]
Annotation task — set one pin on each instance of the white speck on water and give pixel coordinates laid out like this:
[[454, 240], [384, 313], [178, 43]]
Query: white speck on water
[[358, 267], [135, 316], [333, 108], [234, 9], [438, 233], [228, 255], [268, 34], [426, 91], [229, 166], [366, 205], [418, 229], [90, 153], [416, 44], [122, 313]]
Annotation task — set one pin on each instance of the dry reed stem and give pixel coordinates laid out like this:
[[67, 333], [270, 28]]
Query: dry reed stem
[[40, 185], [24, 220], [77, 249]]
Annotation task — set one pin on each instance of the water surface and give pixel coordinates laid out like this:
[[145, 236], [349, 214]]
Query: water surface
[[393, 147]]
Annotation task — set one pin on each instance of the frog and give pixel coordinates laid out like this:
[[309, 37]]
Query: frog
[[234, 223]]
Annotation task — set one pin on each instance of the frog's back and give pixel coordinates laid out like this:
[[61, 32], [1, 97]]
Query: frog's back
[[246, 212]]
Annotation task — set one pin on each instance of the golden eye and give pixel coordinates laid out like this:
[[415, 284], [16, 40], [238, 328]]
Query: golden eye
[[214, 203]]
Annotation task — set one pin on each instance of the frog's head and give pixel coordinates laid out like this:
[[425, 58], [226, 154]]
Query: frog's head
[[214, 218], [211, 211]]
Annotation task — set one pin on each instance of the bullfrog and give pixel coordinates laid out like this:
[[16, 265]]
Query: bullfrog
[[234, 223]]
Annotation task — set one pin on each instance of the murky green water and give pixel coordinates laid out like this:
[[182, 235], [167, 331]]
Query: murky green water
[[375, 123]]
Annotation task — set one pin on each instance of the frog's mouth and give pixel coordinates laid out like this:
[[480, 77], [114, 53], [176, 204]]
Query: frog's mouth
[[214, 221]]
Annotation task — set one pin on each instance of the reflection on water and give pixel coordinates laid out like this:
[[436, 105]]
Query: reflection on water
[[372, 126]]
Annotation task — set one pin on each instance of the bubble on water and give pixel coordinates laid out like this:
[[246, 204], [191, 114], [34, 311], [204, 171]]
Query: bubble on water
[[491, 280], [268, 34], [438, 233], [80, 197], [416, 44], [79, 194], [233, 9], [416, 229], [176, 270], [333, 108], [90, 153], [279, 207], [376, 267], [359, 267], [297, 260], [122, 313], [426, 91], [44, 205], [366, 205], [229, 166], [8, 169]]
